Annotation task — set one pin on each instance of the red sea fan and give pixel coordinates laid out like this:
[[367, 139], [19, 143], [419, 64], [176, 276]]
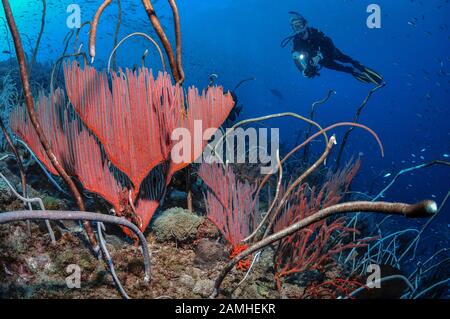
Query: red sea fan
[[230, 206], [126, 129], [131, 120], [211, 109], [74, 146]]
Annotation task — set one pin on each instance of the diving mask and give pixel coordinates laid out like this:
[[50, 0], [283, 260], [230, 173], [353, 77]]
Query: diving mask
[[298, 22]]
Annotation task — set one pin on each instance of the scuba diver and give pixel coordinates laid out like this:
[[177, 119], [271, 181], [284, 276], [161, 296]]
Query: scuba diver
[[312, 50]]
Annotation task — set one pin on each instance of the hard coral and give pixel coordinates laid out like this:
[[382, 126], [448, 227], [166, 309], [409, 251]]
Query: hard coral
[[176, 224]]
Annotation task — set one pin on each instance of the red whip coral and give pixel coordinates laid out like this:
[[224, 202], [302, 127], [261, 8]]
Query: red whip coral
[[332, 289], [314, 246], [123, 131]]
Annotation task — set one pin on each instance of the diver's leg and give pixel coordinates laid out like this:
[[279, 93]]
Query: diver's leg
[[360, 76], [333, 65], [366, 72], [341, 57]]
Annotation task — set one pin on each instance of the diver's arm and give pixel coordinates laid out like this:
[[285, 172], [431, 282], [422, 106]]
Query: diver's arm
[[297, 58], [303, 63]]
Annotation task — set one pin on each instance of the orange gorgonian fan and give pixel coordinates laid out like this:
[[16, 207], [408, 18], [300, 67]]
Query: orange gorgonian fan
[[122, 129]]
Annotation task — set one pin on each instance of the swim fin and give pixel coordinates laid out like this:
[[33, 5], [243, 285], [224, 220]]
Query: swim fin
[[375, 77], [362, 77]]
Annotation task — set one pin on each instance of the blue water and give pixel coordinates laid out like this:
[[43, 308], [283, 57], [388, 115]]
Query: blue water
[[240, 39], [237, 39]]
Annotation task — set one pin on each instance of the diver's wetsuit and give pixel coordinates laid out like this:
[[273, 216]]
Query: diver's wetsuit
[[317, 42]]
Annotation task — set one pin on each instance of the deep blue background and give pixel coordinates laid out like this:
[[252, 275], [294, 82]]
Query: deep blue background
[[240, 38]]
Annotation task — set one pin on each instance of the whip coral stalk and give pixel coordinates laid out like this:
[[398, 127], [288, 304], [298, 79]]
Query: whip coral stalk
[[177, 27], [35, 122], [314, 105], [297, 182], [36, 47], [10, 142], [164, 40], [116, 33], [355, 120], [94, 24], [14, 216]]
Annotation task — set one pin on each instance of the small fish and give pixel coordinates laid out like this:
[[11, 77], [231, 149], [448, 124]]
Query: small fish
[[423, 150], [422, 158], [387, 175], [446, 155], [434, 196], [413, 155], [6, 52], [277, 94]]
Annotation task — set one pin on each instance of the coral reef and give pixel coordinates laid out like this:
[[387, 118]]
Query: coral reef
[[105, 145]]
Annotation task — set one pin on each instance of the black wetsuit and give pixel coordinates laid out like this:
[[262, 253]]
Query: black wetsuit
[[318, 41]]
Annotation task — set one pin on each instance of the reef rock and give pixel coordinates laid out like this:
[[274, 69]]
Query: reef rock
[[204, 287], [187, 281], [208, 253], [177, 224]]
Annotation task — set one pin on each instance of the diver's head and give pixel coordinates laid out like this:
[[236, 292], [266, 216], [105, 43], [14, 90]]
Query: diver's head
[[298, 23]]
